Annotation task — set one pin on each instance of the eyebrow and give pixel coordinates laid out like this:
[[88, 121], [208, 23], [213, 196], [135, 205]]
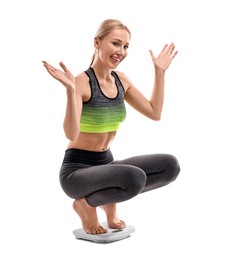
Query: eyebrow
[[115, 39]]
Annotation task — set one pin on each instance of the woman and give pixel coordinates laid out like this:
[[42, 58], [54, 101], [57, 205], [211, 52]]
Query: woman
[[95, 108]]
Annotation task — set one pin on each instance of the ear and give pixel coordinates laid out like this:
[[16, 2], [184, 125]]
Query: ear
[[96, 43]]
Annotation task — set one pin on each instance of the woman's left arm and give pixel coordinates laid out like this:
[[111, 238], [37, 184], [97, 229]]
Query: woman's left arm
[[152, 108]]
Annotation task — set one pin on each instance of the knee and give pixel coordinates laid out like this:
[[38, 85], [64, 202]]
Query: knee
[[136, 179], [173, 167]]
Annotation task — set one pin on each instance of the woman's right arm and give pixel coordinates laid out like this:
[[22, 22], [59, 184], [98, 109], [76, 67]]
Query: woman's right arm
[[71, 123]]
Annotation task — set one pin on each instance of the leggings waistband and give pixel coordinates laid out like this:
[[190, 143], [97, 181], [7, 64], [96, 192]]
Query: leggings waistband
[[73, 155]]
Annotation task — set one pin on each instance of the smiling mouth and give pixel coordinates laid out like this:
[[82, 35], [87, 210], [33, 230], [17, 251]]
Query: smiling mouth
[[116, 60]]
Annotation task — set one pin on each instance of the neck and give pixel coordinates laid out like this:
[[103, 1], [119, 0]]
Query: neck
[[102, 72]]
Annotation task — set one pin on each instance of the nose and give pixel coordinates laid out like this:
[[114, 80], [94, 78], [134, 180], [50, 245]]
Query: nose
[[121, 51]]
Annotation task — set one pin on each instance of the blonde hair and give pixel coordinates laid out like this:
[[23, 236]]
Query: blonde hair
[[106, 27]]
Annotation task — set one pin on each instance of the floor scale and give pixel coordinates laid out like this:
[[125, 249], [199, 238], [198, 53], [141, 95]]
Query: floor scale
[[111, 236]]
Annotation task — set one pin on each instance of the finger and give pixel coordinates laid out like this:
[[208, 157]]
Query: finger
[[152, 55], [175, 53], [45, 64], [170, 48], [50, 69], [49, 66], [164, 49], [63, 66]]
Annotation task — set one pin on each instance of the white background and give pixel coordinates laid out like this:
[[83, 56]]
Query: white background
[[184, 220]]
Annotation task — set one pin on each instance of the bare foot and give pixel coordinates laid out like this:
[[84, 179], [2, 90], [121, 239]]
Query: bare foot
[[112, 219], [88, 216]]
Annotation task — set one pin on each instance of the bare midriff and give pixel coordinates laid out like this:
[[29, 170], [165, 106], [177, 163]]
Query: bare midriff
[[96, 142]]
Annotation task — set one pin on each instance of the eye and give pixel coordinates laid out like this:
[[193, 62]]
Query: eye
[[126, 47], [116, 44]]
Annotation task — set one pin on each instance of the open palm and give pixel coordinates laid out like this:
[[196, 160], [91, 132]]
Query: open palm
[[165, 57], [64, 76]]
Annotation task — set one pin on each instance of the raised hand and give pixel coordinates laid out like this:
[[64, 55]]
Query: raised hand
[[65, 76], [165, 57]]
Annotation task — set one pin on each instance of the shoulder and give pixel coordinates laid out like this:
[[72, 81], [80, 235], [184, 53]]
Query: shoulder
[[124, 79], [81, 78], [82, 85], [121, 75]]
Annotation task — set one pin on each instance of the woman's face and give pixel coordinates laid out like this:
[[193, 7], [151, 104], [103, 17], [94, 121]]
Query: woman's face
[[112, 49]]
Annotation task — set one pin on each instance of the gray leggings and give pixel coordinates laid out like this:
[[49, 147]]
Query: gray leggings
[[100, 179]]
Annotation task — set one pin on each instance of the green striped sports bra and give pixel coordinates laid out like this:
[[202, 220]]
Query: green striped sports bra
[[101, 114]]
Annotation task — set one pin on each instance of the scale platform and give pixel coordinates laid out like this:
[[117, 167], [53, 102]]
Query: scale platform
[[111, 236]]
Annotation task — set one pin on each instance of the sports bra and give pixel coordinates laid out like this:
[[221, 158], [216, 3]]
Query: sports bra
[[101, 114]]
